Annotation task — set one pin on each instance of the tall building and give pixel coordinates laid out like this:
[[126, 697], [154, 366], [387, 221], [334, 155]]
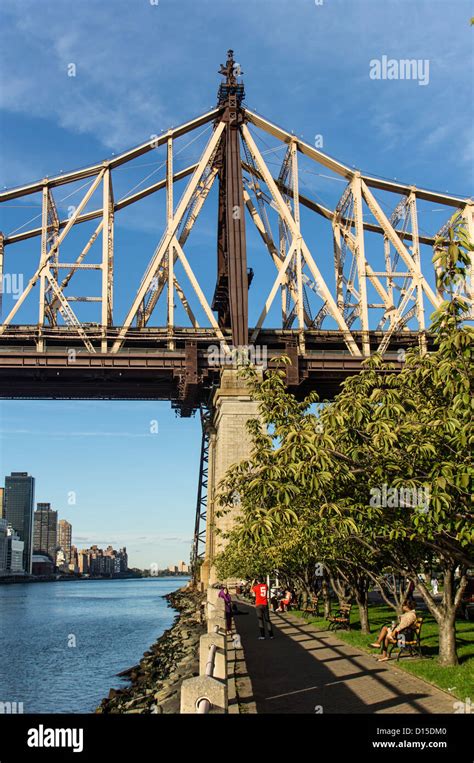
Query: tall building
[[96, 561], [64, 538], [2, 494], [83, 562], [123, 557], [3, 545], [45, 539], [183, 567], [19, 499], [60, 562], [73, 560], [101, 562], [15, 549]]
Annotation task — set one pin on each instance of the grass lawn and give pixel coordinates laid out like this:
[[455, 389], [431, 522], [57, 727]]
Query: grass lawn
[[458, 680]]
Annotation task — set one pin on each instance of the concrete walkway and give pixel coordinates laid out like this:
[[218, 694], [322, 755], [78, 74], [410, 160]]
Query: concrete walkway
[[306, 671]]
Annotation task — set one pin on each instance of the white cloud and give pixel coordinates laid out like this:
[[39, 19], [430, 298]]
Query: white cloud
[[113, 95], [67, 433]]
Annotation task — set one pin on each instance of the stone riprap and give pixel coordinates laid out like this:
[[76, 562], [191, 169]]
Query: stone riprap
[[155, 683]]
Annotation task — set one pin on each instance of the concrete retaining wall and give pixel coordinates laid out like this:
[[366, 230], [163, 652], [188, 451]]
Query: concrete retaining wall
[[219, 687]]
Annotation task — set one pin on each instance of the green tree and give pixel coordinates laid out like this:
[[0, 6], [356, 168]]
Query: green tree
[[318, 473]]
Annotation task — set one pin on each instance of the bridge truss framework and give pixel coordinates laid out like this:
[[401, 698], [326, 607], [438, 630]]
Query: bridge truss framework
[[233, 160]]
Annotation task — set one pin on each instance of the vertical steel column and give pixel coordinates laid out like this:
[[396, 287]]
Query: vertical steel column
[[1, 273], [298, 252], [44, 253], [110, 294], [169, 217], [388, 270], [361, 263], [468, 215], [201, 501], [105, 257], [336, 233], [235, 223], [221, 294], [231, 295], [420, 310], [284, 288]]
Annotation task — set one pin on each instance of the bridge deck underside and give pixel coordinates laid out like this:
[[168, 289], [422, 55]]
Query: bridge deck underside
[[145, 369]]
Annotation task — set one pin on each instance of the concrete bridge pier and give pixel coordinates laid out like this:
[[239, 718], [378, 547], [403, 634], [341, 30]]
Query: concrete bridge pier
[[229, 443]]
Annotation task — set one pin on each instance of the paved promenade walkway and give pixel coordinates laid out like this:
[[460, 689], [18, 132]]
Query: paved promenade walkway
[[303, 668]]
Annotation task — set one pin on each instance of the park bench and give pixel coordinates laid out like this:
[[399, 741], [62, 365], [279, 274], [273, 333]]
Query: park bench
[[409, 640], [342, 618], [311, 607]]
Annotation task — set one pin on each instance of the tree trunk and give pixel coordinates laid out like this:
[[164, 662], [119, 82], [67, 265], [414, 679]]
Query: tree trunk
[[447, 626], [447, 641], [363, 604], [364, 617], [445, 613], [341, 588], [306, 593], [326, 598]]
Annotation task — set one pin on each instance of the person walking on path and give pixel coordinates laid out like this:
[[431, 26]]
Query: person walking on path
[[261, 605], [224, 594], [434, 585]]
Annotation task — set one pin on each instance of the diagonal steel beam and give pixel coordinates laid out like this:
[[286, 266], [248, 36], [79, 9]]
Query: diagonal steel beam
[[116, 161], [96, 213], [296, 233], [45, 256], [341, 169], [391, 234], [275, 254], [169, 236], [200, 197], [199, 292]]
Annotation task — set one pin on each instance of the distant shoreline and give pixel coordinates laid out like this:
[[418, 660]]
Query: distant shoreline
[[62, 578]]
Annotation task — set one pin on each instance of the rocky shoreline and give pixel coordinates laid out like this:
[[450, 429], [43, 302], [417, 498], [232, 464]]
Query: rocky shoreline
[[155, 682]]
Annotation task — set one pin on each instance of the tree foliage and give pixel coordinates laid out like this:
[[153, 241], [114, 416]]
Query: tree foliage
[[307, 490]]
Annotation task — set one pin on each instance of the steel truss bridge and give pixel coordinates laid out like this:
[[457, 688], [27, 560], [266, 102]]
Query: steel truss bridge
[[327, 327]]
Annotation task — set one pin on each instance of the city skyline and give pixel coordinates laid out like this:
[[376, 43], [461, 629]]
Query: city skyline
[[51, 529], [157, 523]]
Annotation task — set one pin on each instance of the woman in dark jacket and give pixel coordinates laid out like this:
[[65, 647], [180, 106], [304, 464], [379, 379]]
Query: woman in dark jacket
[[224, 594]]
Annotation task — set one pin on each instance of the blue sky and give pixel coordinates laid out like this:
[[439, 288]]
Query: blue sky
[[141, 68]]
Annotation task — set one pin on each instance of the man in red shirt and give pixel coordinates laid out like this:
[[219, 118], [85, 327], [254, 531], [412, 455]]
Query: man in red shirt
[[261, 605]]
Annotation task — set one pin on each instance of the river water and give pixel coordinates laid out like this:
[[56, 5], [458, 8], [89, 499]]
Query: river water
[[62, 643]]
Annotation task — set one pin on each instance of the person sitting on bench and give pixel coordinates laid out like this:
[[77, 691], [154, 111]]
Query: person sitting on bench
[[285, 602], [389, 636]]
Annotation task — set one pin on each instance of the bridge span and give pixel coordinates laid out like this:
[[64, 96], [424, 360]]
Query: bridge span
[[339, 283], [147, 369]]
